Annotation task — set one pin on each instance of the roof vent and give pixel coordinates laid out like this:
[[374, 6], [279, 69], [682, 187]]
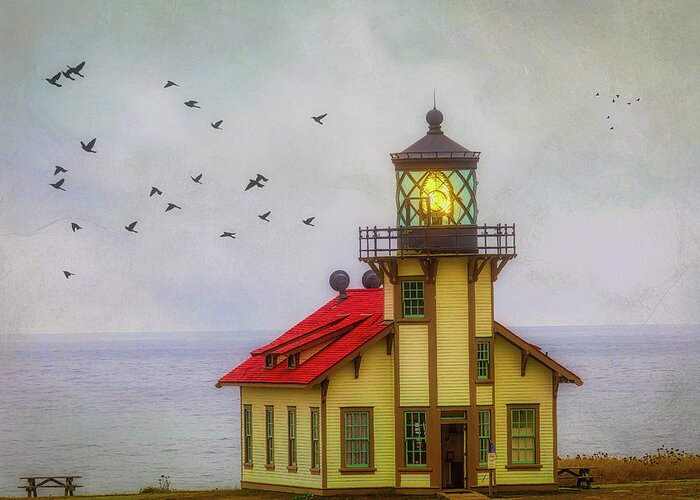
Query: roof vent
[[370, 279], [339, 281]]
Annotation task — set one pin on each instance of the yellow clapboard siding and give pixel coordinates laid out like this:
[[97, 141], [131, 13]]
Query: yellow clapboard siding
[[388, 300], [484, 394], [483, 299], [415, 480], [304, 400], [374, 388], [452, 325], [413, 364], [410, 267], [511, 388]]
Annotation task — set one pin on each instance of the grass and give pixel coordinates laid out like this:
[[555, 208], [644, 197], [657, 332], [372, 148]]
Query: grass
[[666, 463]]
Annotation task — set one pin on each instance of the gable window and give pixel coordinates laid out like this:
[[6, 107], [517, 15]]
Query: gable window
[[247, 435], [269, 361], [484, 436], [523, 435], [357, 451], [415, 438], [292, 435], [315, 441], [269, 436], [413, 299], [483, 360], [293, 361]]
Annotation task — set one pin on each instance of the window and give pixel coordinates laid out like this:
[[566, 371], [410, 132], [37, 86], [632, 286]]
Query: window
[[269, 435], [292, 445], [523, 430], [315, 440], [247, 435], [483, 360], [357, 450], [484, 436], [412, 299], [269, 361], [293, 361], [415, 438]]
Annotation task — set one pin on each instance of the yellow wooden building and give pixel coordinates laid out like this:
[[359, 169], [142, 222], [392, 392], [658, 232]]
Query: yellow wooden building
[[403, 386]]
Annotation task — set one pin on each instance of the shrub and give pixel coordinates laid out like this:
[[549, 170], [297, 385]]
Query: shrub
[[303, 496], [666, 463]]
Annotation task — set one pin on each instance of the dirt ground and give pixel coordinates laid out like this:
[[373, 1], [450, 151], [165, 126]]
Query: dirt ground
[[647, 490]]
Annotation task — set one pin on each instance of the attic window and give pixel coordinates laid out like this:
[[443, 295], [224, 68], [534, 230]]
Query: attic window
[[269, 361], [293, 361]]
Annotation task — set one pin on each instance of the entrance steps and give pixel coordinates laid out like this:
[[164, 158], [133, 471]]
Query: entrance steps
[[461, 495]]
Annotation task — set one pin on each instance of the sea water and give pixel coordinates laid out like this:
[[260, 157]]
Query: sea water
[[121, 410]]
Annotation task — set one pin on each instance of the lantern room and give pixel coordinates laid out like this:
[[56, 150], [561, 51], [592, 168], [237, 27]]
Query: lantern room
[[436, 180]]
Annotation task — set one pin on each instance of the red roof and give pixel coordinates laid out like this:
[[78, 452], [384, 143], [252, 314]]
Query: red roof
[[340, 330], [344, 326]]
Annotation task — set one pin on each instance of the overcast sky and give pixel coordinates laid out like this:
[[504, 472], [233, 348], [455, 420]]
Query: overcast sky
[[608, 224]]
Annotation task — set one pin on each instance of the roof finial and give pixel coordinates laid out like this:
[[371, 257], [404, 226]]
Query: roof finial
[[434, 99]]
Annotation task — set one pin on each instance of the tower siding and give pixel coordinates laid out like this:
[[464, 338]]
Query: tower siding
[[484, 303], [413, 364], [452, 333]]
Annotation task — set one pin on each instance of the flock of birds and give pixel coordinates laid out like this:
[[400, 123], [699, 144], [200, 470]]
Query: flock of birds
[[616, 99], [89, 147]]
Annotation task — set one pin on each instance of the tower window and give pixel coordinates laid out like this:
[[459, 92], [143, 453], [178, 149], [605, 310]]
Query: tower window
[[483, 360], [413, 299]]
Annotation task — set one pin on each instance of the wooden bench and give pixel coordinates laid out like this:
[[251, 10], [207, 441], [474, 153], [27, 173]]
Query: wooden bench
[[584, 476], [65, 482]]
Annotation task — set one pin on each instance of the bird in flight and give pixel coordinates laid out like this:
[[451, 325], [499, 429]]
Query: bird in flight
[[67, 75], [637, 98], [192, 104], [629, 103], [131, 227], [217, 125], [88, 147], [226, 234], [318, 118], [613, 100], [68, 274], [59, 170], [309, 221], [171, 206], [597, 94], [256, 182], [265, 216], [77, 69], [617, 95], [58, 184], [612, 128], [54, 79], [170, 84], [155, 190], [197, 179], [74, 226], [607, 117]]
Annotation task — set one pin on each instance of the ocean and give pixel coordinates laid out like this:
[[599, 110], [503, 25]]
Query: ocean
[[121, 410]]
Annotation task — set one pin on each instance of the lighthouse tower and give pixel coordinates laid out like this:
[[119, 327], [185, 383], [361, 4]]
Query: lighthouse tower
[[438, 267]]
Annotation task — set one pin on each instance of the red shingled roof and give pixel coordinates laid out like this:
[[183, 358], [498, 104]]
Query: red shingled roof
[[347, 326]]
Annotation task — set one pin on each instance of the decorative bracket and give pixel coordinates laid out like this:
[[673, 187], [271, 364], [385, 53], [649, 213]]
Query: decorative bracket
[[429, 267], [324, 389], [357, 362], [497, 266], [523, 361], [389, 343]]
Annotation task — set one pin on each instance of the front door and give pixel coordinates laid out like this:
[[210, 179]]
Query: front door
[[453, 454]]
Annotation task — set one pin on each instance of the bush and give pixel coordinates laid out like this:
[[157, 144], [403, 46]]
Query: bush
[[303, 496], [163, 486], [666, 463]]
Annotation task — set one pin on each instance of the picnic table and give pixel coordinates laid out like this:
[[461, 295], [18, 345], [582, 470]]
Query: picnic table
[[583, 475], [65, 482]]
